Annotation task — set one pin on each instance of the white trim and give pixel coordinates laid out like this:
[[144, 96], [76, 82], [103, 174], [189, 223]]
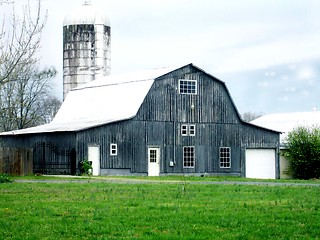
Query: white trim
[[154, 166], [94, 158], [184, 128], [191, 159], [189, 129], [225, 158], [188, 80], [193, 131], [113, 149]]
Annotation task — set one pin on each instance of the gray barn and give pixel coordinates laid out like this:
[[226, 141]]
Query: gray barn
[[163, 121]]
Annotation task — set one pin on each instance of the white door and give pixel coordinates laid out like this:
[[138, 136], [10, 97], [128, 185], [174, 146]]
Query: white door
[[153, 161], [94, 158], [261, 163]]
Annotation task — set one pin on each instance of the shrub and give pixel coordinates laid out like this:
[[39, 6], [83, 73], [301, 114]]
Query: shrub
[[4, 178], [303, 152], [86, 167]]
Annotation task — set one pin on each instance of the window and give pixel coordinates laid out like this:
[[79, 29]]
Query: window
[[225, 157], [192, 130], [187, 86], [184, 130], [188, 157], [188, 130], [113, 149], [153, 155]]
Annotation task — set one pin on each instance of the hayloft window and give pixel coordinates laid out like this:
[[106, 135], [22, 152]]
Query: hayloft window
[[188, 130], [188, 157], [113, 149], [225, 157], [187, 86]]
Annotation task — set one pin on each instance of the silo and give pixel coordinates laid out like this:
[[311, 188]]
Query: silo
[[86, 46]]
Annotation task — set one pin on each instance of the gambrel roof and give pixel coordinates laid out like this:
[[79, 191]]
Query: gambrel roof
[[105, 100]]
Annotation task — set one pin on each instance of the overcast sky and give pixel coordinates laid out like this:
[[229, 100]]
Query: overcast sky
[[266, 51]]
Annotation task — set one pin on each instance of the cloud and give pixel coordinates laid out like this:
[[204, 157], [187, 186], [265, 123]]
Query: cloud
[[305, 93], [290, 89], [270, 74], [263, 84], [269, 48], [283, 99], [306, 72]]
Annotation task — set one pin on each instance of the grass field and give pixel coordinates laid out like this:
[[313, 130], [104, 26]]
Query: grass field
[[101, 210]]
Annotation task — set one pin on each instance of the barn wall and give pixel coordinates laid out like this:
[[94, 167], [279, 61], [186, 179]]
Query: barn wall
[[61, 139], [134, 137], [52, 153], [16, 161], [212, 104], [128, 136], [158, 124]]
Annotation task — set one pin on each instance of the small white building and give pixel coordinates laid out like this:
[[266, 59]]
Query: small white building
[[286, 122]]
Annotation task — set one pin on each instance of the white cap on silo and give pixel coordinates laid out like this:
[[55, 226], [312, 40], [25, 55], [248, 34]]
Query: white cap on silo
[[86, 14]]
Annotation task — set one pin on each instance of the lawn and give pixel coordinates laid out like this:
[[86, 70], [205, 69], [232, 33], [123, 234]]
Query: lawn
[[102, 210]]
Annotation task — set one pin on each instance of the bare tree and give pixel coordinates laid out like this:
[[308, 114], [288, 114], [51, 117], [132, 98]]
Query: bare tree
[[50, 107], [25, 90], [24, 101], [249, 116], [20, 42]]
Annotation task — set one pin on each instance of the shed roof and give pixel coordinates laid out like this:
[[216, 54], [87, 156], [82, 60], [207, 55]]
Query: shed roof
[[105, 100], [286, 122]]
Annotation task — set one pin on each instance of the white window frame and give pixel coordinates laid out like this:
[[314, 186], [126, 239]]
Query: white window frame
[[113, 149], [153, 155], [225, 157], [192, 130], [184, 130], [188, 130], [184, 89], [189, 159]]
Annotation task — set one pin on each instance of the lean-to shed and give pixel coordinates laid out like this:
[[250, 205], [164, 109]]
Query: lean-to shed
[[163, 121]]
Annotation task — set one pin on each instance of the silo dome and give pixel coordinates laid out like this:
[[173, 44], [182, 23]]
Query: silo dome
[[86, 14], [86, 46]]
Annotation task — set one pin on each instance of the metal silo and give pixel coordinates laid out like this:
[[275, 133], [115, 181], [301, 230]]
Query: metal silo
[[86, 46]]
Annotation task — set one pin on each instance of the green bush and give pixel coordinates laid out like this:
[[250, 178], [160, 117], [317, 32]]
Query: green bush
[[4, 178], [304, 152], [86, 167]]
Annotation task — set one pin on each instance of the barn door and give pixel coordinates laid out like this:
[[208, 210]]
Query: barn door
[[153, 161], [94, 158]]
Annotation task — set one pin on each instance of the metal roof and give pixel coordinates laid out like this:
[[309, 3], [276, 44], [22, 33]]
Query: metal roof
[[286, 122], [86, 14], [105, 100]]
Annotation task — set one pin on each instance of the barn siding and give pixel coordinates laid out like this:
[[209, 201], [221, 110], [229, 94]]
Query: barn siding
[[16, 161], [134, 137], [158, 124], [212, 103], [56, 156]]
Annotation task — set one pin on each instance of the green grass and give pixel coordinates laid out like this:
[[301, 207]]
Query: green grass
[[101, 210], [168, 178]]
